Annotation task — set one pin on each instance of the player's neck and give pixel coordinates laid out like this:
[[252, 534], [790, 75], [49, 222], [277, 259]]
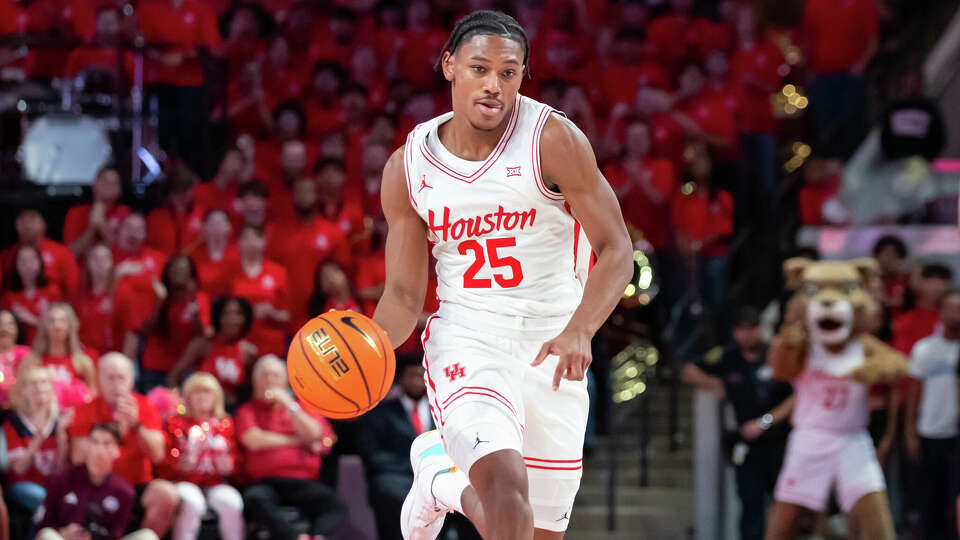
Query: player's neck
[[467, 142]]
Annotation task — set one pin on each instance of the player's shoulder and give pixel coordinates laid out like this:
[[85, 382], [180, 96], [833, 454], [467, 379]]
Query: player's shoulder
[[561, 134]]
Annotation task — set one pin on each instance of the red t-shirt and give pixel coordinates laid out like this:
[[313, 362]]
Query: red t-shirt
[[208, 441], [813, 196], [100, 328], [19, 436], [282, 461], [698, 218], [912, 326], [417, 55], [78, 219], [59, 264], [301, 248], [133, 465], [714, 110], [128, 312], [207, 196], [70, 389], [323, 116], [225, 362], [191, 25], [100, 59], [216, 276], [667, 139], [652, 219], [151, 264], [75, 18], [271, 286], [162, 352], [838, 33], [620, 81], [760, 64], [169, 232], [35, 304], [894, 290]]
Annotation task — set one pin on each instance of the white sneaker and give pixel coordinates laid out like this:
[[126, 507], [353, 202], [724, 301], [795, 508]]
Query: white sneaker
[[422, 515]]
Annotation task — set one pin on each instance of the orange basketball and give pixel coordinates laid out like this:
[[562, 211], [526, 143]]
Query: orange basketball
[[340, 364]]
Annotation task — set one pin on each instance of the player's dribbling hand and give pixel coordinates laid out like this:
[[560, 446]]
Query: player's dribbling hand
[[573, 348]]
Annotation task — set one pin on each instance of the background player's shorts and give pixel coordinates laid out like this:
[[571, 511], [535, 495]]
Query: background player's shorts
[[817, 461], [485, 397]]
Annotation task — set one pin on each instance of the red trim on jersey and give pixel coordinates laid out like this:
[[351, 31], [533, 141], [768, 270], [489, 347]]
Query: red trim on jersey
[[426, 368], [491, 159], [576, 238], [554, 460], [554, 468], [535, 151], [407, 159], [488, 389]]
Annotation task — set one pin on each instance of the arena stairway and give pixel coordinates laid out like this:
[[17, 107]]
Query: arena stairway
[[664, 509]]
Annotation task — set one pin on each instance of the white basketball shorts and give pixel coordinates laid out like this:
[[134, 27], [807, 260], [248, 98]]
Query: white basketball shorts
[[817, 461], [485, 397]]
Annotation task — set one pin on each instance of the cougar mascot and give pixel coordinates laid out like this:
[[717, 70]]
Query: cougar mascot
[[825, 349]]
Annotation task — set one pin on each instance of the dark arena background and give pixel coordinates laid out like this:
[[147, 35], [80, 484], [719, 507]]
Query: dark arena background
[[153, 151]]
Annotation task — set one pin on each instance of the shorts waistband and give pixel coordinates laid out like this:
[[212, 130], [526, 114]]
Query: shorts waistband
[[488, 319]]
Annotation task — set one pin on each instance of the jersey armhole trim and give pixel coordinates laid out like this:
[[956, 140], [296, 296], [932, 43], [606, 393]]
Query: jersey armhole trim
[[537, 174], [407, 161]]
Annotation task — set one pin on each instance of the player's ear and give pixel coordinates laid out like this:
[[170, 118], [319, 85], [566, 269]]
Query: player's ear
[[447, 65]]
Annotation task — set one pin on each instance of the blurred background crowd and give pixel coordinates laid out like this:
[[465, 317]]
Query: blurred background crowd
[[183, 183]]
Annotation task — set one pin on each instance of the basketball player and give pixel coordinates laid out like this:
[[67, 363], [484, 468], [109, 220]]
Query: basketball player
[[508, 192]]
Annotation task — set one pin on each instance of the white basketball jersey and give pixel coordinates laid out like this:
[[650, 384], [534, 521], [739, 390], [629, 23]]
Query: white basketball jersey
[[825, 399], [504, 243]]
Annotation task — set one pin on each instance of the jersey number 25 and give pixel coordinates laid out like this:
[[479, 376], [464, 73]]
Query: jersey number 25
[[470, 280]]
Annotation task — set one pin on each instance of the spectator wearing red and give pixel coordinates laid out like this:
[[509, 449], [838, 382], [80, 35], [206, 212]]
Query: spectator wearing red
[[672, 38], [283, 446], [911, 326], [60, 267], [10, 354], [645, 186], [175, 75], [840, 40], [87, 224], [366, 70], [704, 226], [244, 25], [336, 204], [629, 70], [182, 314], [419, 45], [321, 100], [226, 355], [217, 259], [142, 440], [58, 349], [222, 192], [202, 455], [332, 291], [370, 276], [28, 292], [287, 69], [34, 438], [139, 267], [340, 38], [68, 19], [668, 136], [175, 227], [248, 109], [293, 168], [302, 245], [891, 254], [104, 55], [375, 156], [100, 303], [91, 494], [822, 179], [704, 111], [757, 68], [264, 284]]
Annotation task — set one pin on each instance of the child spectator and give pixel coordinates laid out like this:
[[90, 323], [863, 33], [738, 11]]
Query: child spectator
[[921, 321]]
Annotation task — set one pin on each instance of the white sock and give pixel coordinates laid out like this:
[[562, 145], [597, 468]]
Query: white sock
[[448, 488]]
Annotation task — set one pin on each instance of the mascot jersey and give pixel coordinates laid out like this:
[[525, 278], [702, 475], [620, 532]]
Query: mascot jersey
[[826, 400]]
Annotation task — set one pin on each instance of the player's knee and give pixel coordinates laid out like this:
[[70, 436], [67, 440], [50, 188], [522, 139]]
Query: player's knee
[[500, 479]]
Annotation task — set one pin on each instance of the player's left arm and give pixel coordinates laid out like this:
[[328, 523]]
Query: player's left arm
[[569, 164]]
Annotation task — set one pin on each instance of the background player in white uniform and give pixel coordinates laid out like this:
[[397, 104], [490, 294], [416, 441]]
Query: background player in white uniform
[[495, 186]]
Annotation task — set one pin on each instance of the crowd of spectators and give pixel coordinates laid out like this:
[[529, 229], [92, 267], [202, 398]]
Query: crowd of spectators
[[275, 119]]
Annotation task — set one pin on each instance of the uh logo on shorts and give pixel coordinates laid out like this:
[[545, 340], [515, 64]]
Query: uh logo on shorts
[[454, 372]]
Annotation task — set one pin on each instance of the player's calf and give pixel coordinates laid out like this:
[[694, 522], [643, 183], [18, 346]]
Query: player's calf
[[500, 482]]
